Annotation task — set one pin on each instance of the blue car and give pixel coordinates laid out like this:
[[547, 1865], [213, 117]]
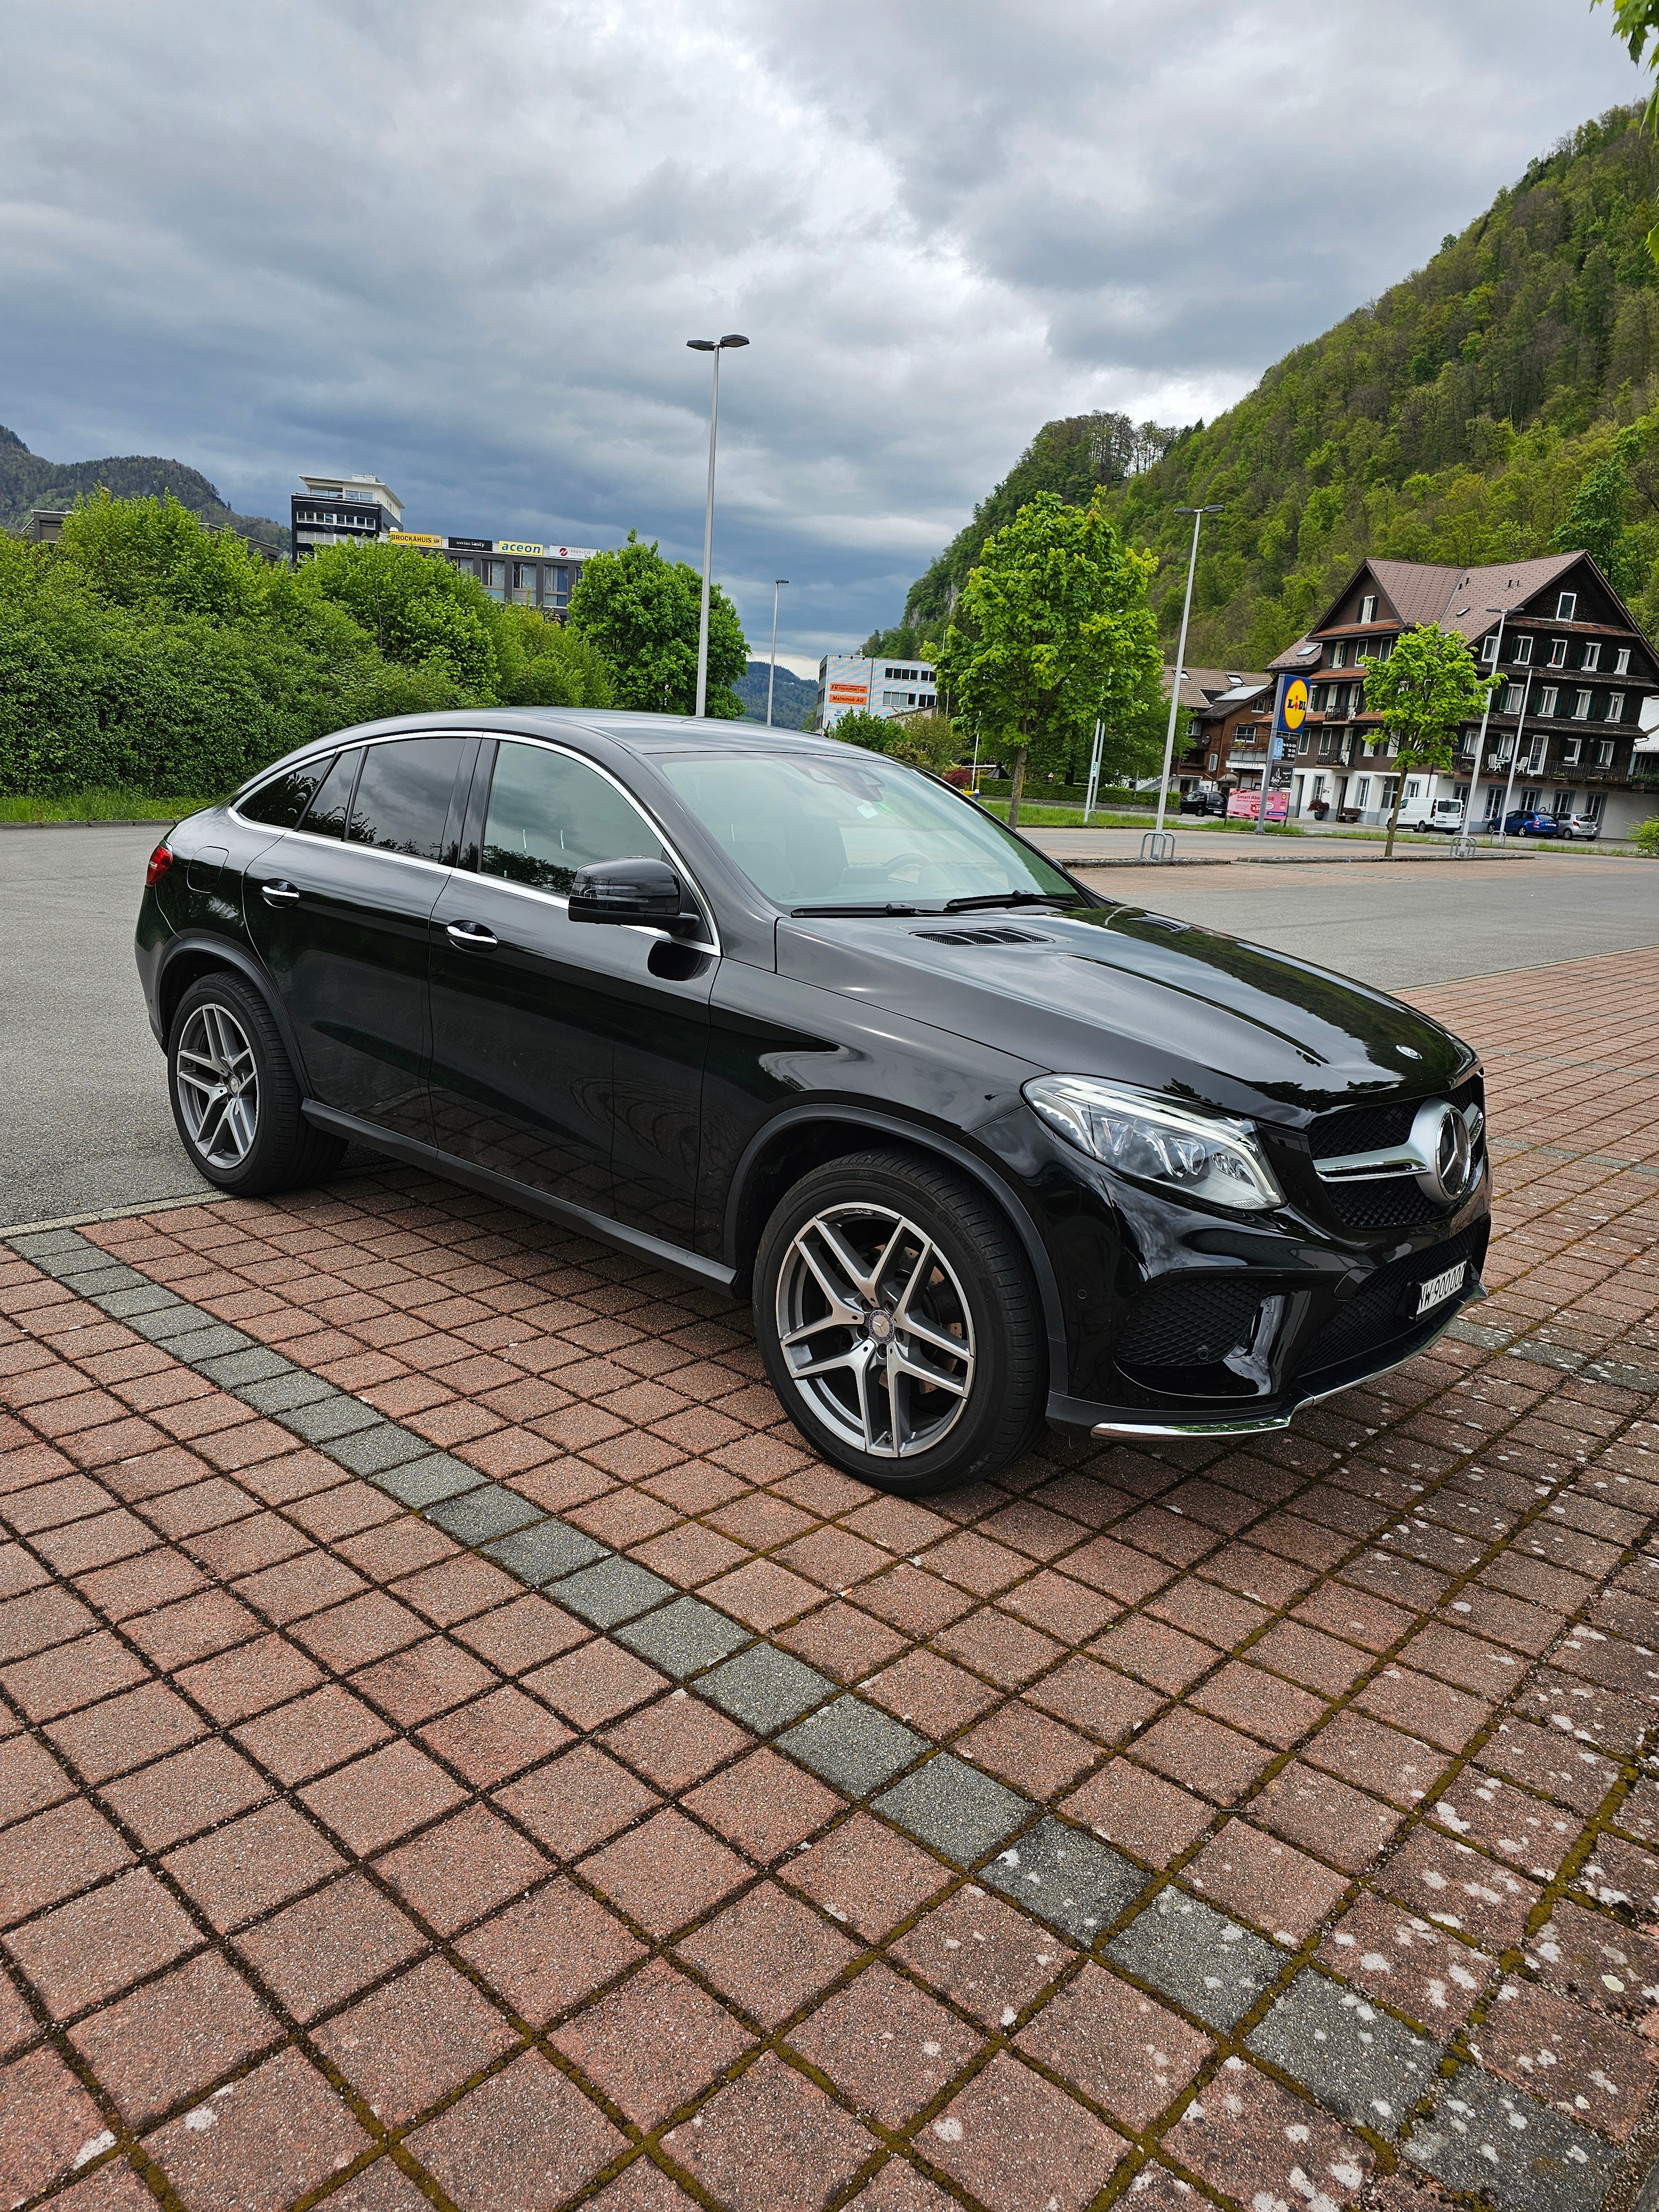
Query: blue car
[[1522, 825]]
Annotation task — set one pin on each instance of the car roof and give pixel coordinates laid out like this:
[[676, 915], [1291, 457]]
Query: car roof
[[639, 733]]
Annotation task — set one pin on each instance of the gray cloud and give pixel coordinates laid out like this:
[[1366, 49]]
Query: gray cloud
[[465, 247]]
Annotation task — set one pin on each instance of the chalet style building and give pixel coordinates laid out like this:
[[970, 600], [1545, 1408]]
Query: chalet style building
[[1580, 696], [1216, 703]]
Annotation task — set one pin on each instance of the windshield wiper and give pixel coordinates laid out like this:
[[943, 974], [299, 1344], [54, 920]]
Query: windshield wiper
[[1010, 898], [869, 907]]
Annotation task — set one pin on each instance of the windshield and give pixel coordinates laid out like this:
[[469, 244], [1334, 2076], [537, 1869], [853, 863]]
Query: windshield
[[863, 831]]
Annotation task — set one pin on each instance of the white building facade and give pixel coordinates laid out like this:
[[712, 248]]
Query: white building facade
[[849, 684]]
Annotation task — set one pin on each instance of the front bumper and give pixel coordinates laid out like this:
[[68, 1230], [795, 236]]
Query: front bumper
[[1077, 1417]]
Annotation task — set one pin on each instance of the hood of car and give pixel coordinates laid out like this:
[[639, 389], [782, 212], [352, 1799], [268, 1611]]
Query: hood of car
[[1138, 997]]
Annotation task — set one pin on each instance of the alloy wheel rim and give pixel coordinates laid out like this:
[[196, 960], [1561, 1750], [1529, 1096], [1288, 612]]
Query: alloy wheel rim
[[875, 1330], [217, 1085]]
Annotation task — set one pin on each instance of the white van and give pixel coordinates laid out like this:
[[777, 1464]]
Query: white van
[[1419, 811]]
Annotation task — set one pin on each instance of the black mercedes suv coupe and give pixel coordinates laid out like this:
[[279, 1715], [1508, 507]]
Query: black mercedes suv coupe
[[986, 1148]]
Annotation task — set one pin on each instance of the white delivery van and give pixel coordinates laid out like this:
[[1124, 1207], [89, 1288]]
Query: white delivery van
[[1422, 811]]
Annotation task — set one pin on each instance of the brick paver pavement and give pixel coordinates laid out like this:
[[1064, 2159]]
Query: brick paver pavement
[[457, 1747]]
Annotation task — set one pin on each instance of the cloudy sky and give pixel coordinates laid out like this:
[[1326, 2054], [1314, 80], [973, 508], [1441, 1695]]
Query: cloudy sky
[[463, 247]]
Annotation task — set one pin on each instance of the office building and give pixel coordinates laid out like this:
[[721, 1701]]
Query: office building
[[341, 510], [849, 683]]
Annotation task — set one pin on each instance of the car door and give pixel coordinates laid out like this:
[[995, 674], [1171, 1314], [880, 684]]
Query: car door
[[338, 910], [565, 1055]]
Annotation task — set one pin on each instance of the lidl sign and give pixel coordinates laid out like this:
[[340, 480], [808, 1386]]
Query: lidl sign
[[1294, 704]]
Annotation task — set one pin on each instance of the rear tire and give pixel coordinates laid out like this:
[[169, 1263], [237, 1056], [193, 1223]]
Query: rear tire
[[900, 1324], [235, 1095]]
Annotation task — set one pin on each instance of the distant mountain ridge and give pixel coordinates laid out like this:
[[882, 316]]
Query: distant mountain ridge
[[790, 702], [27, 480]]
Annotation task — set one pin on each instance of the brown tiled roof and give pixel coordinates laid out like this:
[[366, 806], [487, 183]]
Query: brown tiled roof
[[1201, 687], [1463, 600]]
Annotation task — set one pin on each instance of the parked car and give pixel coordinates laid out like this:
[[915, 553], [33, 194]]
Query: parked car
[[984, 1148], [1522, 825], [1586, 828], [1205, 800]]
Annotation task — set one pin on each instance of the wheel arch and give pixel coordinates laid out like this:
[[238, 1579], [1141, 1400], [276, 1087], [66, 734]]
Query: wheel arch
[[190, 958], [803, 1138]]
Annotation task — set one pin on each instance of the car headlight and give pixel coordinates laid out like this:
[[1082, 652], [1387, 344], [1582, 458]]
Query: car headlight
[[1182, 1148]]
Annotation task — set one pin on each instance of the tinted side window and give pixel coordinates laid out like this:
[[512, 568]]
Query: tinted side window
[[402, 795], [281, 802], [325, 816], [549, 815]]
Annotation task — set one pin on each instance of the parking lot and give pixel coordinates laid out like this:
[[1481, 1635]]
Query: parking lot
[[459, 1749]]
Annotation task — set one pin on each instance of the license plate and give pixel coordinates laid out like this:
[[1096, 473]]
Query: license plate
[[1440, 1287]]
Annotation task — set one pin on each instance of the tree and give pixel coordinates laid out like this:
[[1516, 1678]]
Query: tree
[[642, 613], [420, 612], [1425, 690], [1052, 626], [1595, 522], [548, 664], [926, 741]]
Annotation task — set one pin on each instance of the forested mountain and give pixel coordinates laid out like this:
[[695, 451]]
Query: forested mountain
[[1503, 400], [27, 481], [791, 700]]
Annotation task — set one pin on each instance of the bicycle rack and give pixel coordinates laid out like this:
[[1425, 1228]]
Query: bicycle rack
[[1157, 845]]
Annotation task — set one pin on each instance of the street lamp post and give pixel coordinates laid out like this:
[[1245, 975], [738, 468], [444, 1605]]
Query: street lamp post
[[1464, 842], [716, 346], [778, 582], [1162, 846]]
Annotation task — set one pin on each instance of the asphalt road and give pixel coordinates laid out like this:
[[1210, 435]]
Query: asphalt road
[[84, 1123]]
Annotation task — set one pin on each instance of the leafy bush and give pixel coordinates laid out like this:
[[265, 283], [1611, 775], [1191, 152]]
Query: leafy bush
[[148, 654], [1646, 837]]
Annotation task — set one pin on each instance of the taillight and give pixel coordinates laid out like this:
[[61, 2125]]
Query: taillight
[[160, 861]]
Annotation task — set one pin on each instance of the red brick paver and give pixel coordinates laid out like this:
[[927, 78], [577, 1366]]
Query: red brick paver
[[335, 1865]]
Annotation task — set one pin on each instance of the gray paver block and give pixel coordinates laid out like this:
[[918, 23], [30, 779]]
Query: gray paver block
[[477, 1516], [955, 1807], [854, 1745], [370, 1451], [764, 1688], [236, 1369], [535, 1555], [164, 1323], [42, 1245], [1198, 1957], [148, 1298], [684, 1637], [337, 1415], [212, 1341], [284, 1394], [108, 1275], [1501, 2144], [1068, 1877], [1357, 2061], [612, 1591], [422, 1482]]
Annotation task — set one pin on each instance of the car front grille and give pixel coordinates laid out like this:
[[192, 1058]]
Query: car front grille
[[1384, 1201], [1384, 1311], [1192, 1323], [1362, 1128]]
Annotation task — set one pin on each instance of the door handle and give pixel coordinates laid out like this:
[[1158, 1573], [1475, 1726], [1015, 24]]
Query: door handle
[[469, 933], [279, 893]]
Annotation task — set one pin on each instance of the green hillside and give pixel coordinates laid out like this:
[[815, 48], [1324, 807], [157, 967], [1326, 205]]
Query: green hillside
[[26, 480], [1471, 413]]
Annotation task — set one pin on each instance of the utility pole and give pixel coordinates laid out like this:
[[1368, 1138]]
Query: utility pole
[[1464, 842]]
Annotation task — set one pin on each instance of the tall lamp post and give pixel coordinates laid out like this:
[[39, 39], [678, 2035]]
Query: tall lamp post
[[1465, 832], [716, 346], [778, 582], [1161, 846]]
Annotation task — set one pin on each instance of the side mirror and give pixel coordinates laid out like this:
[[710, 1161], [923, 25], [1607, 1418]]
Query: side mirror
[[624, 891]]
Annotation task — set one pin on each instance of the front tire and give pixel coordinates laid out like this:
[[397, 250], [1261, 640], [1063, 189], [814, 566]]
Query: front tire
[[235, 1095], [899, 1324]]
